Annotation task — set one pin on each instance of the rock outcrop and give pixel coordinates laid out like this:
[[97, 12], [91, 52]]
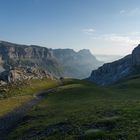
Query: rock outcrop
[[113, 72], [23, 73]]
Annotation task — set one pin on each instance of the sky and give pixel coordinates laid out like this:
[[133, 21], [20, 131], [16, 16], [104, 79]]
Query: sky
[[103, 26]]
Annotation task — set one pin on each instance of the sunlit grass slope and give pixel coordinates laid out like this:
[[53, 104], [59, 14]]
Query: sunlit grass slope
[[7, 105], [26, 87], [82, 110], [15, 95]]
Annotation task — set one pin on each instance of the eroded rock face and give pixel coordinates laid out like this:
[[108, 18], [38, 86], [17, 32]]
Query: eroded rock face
[[14, 55], [20, 62], [20, 74], [136, 56], [16, 51], [58, 62], [1, 65], [112, 72]]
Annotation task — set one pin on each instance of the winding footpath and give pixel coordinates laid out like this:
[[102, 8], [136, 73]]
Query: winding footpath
[[12, 119]]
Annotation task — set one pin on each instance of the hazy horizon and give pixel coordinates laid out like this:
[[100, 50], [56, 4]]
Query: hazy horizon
[[105, 27]]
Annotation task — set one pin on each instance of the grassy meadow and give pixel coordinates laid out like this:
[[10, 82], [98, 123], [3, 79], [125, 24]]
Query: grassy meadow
[[84, 111], [13, 96]]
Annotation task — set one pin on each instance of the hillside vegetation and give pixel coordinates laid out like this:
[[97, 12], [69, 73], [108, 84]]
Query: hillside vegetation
[[82, 110], [13, 96]]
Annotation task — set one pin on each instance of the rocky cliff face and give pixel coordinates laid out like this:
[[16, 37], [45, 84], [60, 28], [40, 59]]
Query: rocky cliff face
[[136, 56], [20, 62], [59, 62], [13, 55], [112, 72], [76, 64]]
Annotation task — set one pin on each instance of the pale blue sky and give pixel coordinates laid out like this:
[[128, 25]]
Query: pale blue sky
[[103, 26]]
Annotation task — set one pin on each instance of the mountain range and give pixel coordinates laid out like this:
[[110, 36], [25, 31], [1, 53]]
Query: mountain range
[[76, 64], [31, 61], [53, 62]]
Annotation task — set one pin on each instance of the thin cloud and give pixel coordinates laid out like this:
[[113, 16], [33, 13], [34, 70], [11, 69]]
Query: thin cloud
[[131, 12], [122, 40], [122, 11], [135, 33], [130, 39], [89, 31]]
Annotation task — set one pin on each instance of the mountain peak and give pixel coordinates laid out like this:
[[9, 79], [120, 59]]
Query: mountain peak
[[84, 51]]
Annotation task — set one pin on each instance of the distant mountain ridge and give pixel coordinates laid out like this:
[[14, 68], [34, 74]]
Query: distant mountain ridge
[[108, 58], [55, 62], [111, 73], [76, 64]]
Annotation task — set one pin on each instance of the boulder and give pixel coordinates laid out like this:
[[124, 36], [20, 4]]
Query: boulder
[[22, 73]]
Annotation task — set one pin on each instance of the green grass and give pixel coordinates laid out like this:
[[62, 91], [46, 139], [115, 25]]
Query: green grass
[[18, 94], [7, 105], [27, 87], [82, 110]]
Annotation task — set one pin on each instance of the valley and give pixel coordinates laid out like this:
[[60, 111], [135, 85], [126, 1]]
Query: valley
[[37, 104], [69, 70], [83, 110]]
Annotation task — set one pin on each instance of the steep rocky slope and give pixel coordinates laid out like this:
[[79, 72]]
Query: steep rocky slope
[[23, 73], [15, 55], [113, 72], [76, 64]]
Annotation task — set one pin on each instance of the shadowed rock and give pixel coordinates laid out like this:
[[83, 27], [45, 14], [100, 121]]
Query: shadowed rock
[[113, 72]]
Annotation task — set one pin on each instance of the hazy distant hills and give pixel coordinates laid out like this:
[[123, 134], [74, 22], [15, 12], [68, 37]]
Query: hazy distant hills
[[118, 70], [76, 64], [57, 62], [107, 58]]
